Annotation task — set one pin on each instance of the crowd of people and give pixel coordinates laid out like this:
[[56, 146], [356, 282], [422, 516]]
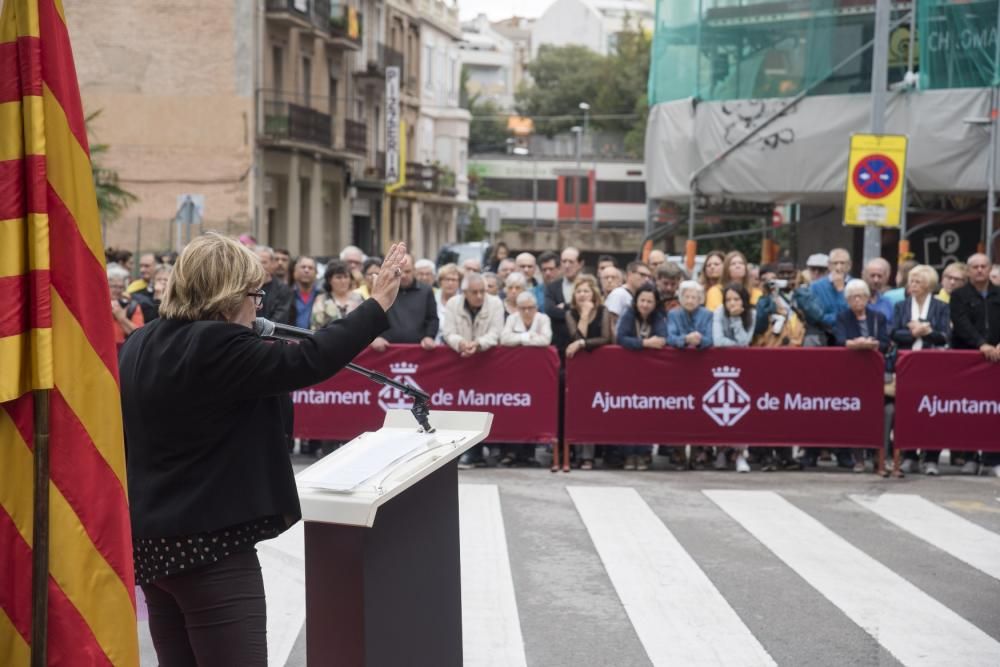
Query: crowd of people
[[553, 299]]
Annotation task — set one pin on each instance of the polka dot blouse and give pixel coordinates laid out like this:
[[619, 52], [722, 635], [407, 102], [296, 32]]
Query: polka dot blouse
[[158, 557]]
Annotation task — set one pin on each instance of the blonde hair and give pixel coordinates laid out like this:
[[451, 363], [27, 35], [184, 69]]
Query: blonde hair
[[449, 269], [702, 278], [211, 279], [926, 273], [590, 281], [726, 279]]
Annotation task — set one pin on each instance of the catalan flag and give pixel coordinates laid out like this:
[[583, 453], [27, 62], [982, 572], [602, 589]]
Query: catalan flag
[[56, 335]]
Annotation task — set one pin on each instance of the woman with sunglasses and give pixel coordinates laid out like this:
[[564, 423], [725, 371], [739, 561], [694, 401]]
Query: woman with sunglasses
[[208, 469]]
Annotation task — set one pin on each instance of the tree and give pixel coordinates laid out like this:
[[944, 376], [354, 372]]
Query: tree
[[487, 129], [613, 85], [563, 77], [624, 86], [112, 199]]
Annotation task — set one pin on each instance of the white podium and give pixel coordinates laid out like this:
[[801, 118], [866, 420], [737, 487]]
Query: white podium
[[383, 570]]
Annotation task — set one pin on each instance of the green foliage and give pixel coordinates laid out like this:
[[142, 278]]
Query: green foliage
[[476, 231], [613, 85], [112, 199], [487, 130], [563, 76]]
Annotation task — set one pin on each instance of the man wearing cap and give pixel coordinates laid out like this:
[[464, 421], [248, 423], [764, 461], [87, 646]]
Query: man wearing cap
[[817, 265]]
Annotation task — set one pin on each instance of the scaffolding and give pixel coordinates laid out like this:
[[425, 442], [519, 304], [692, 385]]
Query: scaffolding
[[718, 50]]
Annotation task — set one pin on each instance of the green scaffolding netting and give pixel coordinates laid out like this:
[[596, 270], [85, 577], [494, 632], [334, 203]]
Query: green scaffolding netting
[[741, 49]]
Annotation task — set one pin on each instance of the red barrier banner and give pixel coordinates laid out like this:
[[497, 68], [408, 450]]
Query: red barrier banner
[[519, 385], [806, 396], [947, 399]]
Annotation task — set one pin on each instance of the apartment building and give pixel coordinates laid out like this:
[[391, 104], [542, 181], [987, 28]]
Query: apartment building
[[272, 112], [312, 136]]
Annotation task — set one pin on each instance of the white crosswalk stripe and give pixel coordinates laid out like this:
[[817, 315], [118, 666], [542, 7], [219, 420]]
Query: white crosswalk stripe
[[945, 530], [677, 612], [491, 629], [668, 579], [887, 606]]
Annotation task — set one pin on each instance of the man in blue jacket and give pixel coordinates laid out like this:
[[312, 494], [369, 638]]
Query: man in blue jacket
[[829, 290]]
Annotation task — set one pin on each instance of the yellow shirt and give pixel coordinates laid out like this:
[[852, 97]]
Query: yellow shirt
[[944, 296], [137, 286], [713, 297]]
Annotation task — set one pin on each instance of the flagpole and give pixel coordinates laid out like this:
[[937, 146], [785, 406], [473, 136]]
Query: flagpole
[[40, 534]]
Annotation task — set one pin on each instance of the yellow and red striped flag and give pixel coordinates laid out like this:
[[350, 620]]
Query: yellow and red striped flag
[[55, 333]]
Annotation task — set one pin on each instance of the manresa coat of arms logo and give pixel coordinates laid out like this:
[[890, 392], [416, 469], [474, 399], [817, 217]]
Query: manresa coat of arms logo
[[390, 398], [726, 402]]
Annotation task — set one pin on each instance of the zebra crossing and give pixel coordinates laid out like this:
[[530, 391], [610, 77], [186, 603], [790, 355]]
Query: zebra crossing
[[594, 572]]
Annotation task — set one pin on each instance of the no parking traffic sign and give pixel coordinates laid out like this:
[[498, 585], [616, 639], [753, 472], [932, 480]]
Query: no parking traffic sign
[[875, 174]]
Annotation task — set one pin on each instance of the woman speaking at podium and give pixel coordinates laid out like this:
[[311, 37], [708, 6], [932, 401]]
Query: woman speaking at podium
[[208, 469]]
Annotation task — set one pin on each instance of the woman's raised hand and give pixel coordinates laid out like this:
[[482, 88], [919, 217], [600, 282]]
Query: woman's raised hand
[[386, 284]]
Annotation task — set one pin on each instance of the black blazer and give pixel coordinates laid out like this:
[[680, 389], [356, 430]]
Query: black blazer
[[553, 299], [277, 305], [975, 320], [846, 327], [937, 317], [203, 428]]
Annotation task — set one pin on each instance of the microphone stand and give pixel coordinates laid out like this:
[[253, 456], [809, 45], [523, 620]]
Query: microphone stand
[[421, 401]]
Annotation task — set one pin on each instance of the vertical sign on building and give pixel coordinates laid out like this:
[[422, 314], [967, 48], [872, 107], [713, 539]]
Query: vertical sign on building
[[392, 124]]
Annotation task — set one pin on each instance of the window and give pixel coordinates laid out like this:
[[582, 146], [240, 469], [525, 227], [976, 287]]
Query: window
[[632, 192], [516, 188], [333, 96], [306, 80], [428, 66], [568, 194], [278, 68]]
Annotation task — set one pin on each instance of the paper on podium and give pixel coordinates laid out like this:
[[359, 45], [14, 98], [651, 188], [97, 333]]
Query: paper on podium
[[351, 467]]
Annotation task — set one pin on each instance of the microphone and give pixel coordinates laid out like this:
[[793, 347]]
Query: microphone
[[265, 328]]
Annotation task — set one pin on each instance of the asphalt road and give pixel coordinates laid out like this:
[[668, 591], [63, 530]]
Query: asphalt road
[[817, 568]]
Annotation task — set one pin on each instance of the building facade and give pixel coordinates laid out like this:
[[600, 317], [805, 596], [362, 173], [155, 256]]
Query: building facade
[[177, 114], [272, 114], [312, 132], [490, 62], [594, 24]]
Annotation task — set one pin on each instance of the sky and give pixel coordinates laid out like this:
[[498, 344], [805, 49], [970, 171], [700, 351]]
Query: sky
[[501, 9]]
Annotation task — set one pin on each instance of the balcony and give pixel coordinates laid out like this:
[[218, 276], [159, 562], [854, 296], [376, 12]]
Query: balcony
[[303, 14], [376, 171], [345, 26], [383, 57], [430, 178], [355, 136], [289, 117]]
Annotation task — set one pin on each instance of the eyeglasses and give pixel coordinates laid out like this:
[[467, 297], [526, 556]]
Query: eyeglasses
[[258, 298]]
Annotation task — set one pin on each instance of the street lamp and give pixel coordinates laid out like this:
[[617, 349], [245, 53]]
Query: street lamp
[[578, 131], [585, 108]]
